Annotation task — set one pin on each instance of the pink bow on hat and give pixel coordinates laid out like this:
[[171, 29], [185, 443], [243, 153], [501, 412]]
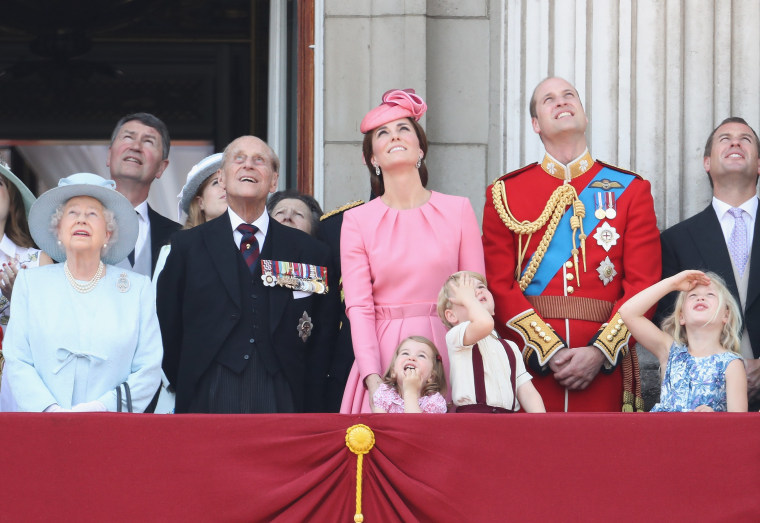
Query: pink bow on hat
[[397, 103]]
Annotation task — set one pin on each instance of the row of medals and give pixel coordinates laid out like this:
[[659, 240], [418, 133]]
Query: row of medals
[[605, 205], [314, 285]]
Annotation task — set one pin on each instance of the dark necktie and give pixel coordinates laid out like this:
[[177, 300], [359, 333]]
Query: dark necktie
[[249, 247]]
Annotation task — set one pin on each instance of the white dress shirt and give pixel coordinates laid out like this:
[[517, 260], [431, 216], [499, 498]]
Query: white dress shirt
[[727, 221]]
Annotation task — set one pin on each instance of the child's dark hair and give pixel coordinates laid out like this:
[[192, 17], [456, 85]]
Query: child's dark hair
[[437, 382]]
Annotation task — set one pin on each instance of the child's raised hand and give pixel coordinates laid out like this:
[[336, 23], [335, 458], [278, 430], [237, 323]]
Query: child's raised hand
[[463, 289], [688, 280], [411, 381]]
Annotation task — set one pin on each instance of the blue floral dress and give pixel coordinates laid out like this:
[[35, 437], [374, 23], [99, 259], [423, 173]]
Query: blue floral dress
[[690, 382]]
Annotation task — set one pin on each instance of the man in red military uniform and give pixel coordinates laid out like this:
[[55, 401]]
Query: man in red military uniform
[[566, 242]]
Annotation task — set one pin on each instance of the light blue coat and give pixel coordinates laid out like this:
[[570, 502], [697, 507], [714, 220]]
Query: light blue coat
[[67, 347]]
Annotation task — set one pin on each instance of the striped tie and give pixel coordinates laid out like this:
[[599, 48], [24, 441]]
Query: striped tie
[[249, 247]]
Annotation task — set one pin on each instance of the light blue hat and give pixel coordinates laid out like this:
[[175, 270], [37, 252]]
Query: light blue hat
[[85, 184], [197, 175]]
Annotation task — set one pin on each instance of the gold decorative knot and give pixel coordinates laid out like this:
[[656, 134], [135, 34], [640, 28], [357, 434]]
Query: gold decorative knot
[[359, 439]]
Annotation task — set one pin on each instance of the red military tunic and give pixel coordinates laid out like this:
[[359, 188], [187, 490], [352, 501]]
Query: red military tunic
[[563, 304]]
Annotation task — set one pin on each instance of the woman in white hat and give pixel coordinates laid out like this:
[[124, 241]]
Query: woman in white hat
[[81, 328], [201, 199]]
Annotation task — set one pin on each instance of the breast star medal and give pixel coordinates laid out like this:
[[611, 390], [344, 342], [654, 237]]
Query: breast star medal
[[304, 327], [606, 271], [606, 236]]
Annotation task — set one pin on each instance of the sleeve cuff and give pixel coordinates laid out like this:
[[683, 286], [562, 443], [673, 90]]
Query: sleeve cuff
[[540, 340], [612, 340]]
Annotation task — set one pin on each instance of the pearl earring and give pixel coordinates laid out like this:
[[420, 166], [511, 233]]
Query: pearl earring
[[377, 170], [419, 162]]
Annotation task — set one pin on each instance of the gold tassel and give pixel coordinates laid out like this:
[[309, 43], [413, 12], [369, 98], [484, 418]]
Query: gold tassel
[[359, 439]]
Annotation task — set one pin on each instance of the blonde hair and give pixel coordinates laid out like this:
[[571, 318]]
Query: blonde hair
[[437, 382], [730, 335], [444, 297], [195, 215]]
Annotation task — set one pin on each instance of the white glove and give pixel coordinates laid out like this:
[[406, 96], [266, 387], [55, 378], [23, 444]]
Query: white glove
[[89, 406]]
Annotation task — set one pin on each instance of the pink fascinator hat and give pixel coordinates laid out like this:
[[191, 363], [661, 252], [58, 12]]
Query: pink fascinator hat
[[397, 103]]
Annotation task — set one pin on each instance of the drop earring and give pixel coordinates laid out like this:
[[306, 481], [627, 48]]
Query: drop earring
[[377, 170], [419, 161]]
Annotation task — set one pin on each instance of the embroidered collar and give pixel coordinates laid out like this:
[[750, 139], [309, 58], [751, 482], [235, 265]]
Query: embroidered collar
[[577, 167]]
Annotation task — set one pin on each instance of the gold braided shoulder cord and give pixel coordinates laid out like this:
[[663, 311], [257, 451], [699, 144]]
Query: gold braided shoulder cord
[[562, 196]]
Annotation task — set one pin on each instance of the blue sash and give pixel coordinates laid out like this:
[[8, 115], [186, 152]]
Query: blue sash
[[561, 246]]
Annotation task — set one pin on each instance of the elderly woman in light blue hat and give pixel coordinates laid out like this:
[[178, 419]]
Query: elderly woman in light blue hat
[[201, 199], [83, 334]]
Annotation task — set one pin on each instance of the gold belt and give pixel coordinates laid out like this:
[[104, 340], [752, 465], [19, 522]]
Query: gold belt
[[572, 307]]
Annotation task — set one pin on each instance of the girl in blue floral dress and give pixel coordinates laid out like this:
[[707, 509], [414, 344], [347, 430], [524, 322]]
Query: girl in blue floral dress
[[698, 346]]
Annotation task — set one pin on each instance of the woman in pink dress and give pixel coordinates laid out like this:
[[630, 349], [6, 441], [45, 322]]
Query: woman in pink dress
[[399, 249]]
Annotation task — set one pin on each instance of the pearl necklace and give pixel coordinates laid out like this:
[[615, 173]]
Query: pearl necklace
[[86, 287]]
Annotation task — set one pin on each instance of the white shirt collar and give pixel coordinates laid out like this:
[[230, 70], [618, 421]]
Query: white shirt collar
[[721, 207], [7, 247], [262, 222], [142, 210]]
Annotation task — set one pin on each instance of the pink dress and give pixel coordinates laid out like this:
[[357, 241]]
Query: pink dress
[[394, 263], [391, 401]]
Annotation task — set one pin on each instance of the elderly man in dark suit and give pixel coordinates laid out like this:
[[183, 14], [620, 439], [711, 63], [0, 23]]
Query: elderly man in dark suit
[[721, 237], [138, 155], [243, 302]]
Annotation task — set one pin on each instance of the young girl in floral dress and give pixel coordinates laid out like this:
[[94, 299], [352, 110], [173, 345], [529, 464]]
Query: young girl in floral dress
[[698, 346]]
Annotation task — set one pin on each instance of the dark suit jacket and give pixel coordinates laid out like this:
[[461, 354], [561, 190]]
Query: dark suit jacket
[[698, 243], [199, 309], [161, 229]]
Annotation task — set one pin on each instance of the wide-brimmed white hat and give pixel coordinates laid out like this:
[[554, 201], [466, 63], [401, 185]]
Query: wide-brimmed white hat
[[84, 184], [197, 175], [26, 195]]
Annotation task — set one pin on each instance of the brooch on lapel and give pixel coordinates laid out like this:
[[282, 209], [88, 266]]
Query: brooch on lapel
[[295, 276], [304, 327], [123, 283]]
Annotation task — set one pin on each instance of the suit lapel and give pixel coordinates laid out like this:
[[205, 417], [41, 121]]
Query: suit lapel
[[217, 236], [753, 285], [161, 229], [707, 235], [277, 249]]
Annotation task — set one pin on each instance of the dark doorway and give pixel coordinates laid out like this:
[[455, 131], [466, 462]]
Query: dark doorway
[[70, 69]]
